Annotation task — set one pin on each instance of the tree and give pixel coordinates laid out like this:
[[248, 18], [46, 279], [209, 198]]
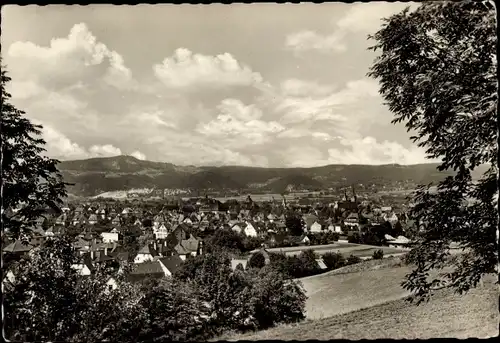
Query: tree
[[257, 260], [334, 260], [227, 239], [29, 180], [378, 254], [437, 71], [293, 223], [49, 301]]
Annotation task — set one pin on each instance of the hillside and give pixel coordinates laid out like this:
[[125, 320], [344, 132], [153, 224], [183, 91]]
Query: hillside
[[370, 304], [97, 175]]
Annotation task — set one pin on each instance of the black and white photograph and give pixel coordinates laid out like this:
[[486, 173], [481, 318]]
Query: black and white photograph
[[249, 171]]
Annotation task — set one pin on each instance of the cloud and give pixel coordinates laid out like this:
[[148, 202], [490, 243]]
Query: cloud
[[326, 108], [185, 70], [139, 155], [107, 150], [79, 52], [236, 120], [296, 87], [364, 18], [369, 151], [367, 17], [309, 40], [61, 147]]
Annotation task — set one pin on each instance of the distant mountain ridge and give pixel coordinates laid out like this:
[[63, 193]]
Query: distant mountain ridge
[[97, 175]]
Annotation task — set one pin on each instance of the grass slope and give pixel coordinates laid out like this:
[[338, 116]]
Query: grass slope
[[447, 315]]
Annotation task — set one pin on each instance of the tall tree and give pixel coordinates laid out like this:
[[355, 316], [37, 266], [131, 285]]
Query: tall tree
[[30, 181], [438, 75]]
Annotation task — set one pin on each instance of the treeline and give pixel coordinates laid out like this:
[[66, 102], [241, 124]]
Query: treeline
[[47, 300], [302, 265]]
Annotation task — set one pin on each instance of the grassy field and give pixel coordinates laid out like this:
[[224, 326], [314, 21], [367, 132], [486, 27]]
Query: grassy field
[[447, 315], [333, 293]]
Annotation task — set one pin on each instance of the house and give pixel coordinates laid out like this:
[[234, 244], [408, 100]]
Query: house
[[316, 227], [386, 209], [250, 230], [352, 220], [391, 218], [400, 242], [113, 236], [85, 267], [61, 220], [160, 232], [309, 220], [92, 219], [17, 248], [321, 264], [116, 221], [188, 247], [146, 269], [146, 253], [237, 227], [170, 264], [235, 262], [271, 217]]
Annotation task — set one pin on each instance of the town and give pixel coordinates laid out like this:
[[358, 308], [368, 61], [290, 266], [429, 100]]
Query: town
[[159, 235]]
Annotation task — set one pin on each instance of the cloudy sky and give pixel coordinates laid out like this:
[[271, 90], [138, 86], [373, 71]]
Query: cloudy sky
[[261, 85]]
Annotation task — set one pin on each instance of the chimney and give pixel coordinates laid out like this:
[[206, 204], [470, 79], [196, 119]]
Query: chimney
[[154, 244], [92, 254], [106, 250]]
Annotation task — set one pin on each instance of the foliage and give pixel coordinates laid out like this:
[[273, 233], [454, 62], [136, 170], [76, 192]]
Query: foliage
[[257, 260], [447, 94], [226, 239], [28, 178], [354, 238], [352, 259], [378, 254], [187, 270], [276, 300], [48, 301], [172, 312], [293, 223], [334, 260]]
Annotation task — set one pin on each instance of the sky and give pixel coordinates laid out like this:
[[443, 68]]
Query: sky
[[271, 85]]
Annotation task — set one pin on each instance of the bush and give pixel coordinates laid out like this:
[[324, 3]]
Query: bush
[[257, 260], [352, 260], [334, 260], [378, 254], [354, 238]]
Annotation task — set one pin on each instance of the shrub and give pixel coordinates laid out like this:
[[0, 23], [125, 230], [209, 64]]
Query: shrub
[[257, 260], [354, 238], [276, 300], [378, 254], [334, 260], [352, 260]]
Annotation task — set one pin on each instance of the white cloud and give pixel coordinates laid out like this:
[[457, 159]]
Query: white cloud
[[185, 70], [240, 121], [296, 87], [367, 17], [369, 151], [106, 150], [60, 146], [360, 18], [309, 40], [297, 109], [79, 52], [139, 155]]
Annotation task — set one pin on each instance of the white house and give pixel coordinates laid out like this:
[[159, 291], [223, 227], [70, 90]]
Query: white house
[[160, 232], [316, 227], [250, 230], [110, 237], [147, 253]]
